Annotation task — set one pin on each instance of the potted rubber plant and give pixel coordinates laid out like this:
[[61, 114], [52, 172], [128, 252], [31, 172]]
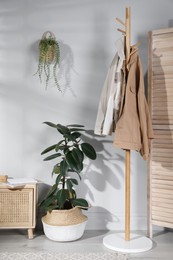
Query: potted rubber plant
[[49, 58], [64, 220]]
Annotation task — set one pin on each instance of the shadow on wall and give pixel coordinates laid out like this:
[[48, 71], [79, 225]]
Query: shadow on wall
[[170, 23], [66, 66], [100, 217], [160, 116], [43, 189], [143, 53], [99, 173]]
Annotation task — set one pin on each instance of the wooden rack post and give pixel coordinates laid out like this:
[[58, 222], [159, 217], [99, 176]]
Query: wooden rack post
[[127, 185], [127, 205]]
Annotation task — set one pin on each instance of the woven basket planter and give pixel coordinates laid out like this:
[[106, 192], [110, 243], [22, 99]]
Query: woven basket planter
[[64, 225]]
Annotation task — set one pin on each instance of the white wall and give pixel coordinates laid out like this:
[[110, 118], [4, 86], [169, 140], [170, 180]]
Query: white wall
[[86, 31]]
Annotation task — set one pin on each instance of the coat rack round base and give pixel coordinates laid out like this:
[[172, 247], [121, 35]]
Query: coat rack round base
[[136, 244]]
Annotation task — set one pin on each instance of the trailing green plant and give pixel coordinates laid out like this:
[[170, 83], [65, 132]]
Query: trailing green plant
[[49, 58], [70, 152]]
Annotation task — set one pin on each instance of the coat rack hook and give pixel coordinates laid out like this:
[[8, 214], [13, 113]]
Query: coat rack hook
[[122, 31], [120, 21]]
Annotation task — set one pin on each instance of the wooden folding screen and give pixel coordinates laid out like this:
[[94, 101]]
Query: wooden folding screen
[[160, 185]]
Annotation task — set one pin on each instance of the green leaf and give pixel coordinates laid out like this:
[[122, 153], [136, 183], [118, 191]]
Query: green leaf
[[58, 147], [48, 202], [74, 181], [69, 185], [62, 129], [51, 207], [72, 194], [56, 169], [70, 137], [79, 176], [50, 124], [63, 167], [63, 148], [49, 149], [75, 125], [82, 203], [89, 151], [58, 179], [76, 129], [62, 196], [66, 150], [79, 154], [73, 161], [52, 191], [76, 134], [53, 156]]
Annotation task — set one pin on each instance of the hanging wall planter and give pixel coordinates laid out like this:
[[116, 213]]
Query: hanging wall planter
[[49, 57]]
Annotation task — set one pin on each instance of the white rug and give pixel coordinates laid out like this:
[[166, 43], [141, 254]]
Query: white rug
[[61, 256]]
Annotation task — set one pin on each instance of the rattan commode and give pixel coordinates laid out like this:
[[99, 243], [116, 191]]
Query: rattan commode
[[18, 207]]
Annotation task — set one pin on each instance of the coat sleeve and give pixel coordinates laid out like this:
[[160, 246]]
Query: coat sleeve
[[144, 116], [103, 103]]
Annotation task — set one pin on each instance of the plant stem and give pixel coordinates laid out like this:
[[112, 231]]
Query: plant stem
[[63, 182]]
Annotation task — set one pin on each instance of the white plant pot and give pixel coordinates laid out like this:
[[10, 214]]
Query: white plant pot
[[64, 225], [64, 233]]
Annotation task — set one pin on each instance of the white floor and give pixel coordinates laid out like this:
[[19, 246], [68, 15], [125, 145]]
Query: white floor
[[12, 240]]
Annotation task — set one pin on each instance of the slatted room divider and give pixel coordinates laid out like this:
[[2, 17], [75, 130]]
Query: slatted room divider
[[160, 188]]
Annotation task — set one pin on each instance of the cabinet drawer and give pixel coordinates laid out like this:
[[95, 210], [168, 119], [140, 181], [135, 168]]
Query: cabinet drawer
[[16, 207]]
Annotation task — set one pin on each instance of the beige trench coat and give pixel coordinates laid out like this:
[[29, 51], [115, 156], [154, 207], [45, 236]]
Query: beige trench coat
[[134, 128]]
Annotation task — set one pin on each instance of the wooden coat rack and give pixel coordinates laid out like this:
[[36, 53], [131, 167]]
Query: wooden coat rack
[[128, 243], [126, 32]]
